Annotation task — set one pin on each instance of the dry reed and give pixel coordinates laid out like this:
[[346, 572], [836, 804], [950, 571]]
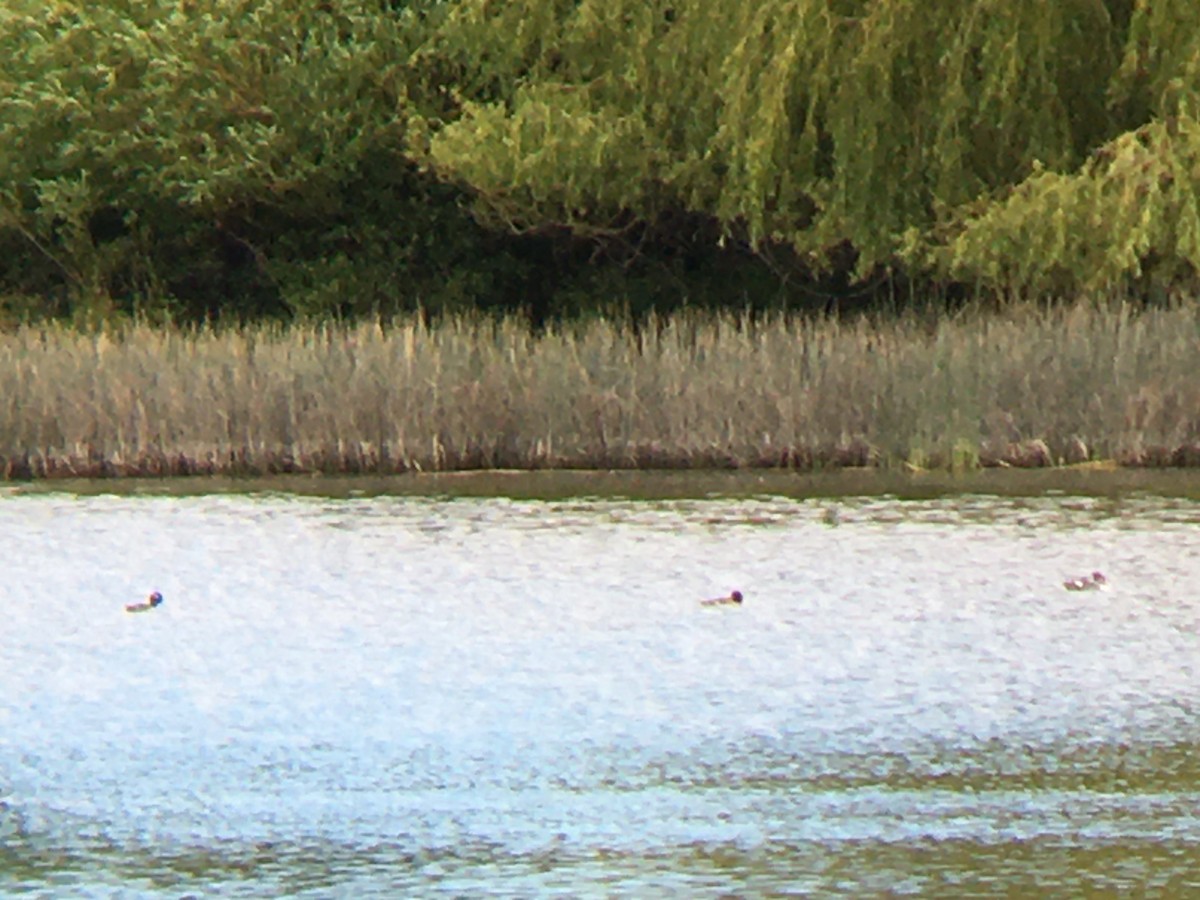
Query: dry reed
[[1032, 387]]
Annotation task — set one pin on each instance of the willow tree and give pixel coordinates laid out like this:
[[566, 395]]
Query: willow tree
[[1018, 142], [1129, 210], [1049, 145]]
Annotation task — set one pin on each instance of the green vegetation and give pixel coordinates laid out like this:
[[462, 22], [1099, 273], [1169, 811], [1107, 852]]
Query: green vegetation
[[1025, 388], [216, 159], [218, 195]]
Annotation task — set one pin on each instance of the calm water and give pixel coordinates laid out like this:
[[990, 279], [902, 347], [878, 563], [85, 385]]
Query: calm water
[[408, 696]]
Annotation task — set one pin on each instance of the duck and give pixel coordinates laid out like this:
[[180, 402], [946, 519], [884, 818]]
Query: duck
[[1094, 582], [733, 599], [150, 602]]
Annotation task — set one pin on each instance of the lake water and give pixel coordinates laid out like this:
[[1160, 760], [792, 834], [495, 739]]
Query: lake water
[[398, 696]]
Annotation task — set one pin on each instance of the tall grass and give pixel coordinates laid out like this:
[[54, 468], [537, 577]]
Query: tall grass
[[1030, 387]]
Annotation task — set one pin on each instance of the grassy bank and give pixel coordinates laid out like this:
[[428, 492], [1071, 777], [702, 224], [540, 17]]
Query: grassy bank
[[1026, 388]]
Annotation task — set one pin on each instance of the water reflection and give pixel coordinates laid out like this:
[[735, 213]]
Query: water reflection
[[384, 695]]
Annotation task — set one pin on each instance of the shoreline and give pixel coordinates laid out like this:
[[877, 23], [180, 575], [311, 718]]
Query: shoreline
[[351, 460], [1089, 480]]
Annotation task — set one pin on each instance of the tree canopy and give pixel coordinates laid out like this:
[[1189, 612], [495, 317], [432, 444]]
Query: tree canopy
[[221, 156]]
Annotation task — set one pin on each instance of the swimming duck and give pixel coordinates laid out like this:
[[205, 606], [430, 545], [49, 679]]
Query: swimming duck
[[732, 600], [152, 601], [1094, 582]]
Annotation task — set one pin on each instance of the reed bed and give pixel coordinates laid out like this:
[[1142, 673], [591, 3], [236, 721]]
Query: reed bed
[[1026, 387]]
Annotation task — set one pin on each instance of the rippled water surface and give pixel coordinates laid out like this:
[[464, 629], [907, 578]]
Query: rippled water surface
[[390, 696]]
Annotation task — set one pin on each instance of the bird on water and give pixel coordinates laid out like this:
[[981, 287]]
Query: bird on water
[[1094, 582], [150, 602], [733, 599]]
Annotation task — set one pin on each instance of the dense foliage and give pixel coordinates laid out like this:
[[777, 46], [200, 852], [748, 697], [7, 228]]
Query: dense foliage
[[231, 158]]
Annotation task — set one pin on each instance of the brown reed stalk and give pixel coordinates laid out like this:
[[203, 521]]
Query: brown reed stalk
[[1022, 387]]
